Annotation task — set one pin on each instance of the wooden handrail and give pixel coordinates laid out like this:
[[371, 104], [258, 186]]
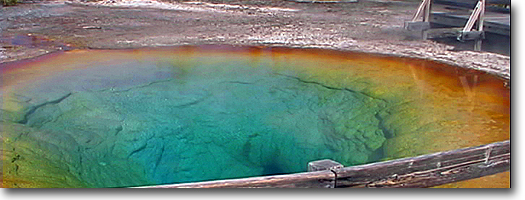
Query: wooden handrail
[[430, 170], [421, 171]]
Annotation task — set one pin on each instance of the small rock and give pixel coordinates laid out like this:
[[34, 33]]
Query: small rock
[[92, 27]]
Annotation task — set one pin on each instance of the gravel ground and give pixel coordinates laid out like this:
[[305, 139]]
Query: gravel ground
[[375, 26], [32, 29]]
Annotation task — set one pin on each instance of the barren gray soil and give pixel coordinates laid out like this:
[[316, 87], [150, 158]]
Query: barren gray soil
[[376, 26]]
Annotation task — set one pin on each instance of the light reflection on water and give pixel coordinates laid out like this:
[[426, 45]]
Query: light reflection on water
[[113, 118]]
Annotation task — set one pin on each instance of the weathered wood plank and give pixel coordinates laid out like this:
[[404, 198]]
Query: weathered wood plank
[[318, 179], [469, 3], [417, 26], [429, 170], [500, 26], [442, 33], [453, 33], [422, 171]]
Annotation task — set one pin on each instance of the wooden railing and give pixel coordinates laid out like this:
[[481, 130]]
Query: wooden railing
[[421, 171], [468, 32]]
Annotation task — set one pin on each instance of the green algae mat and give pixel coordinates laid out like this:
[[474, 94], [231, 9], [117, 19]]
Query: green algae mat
[[123, 118]]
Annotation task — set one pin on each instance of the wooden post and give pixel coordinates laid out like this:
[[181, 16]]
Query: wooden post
[[326, 165], [321, 165], [420, 26], [426, 19], [426, 14], [477, 16], [477, 45], [424, 7]]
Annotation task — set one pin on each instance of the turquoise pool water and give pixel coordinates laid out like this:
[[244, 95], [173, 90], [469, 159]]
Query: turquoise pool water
[[134, 118]]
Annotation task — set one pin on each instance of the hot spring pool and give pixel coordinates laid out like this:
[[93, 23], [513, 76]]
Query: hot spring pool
[[119, 118]]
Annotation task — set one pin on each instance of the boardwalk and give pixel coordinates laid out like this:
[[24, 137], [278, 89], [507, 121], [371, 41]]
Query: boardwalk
[[455, 13], [450, 21]]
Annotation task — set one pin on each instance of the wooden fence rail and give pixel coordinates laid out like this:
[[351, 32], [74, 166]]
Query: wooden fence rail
[[421, 171]]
